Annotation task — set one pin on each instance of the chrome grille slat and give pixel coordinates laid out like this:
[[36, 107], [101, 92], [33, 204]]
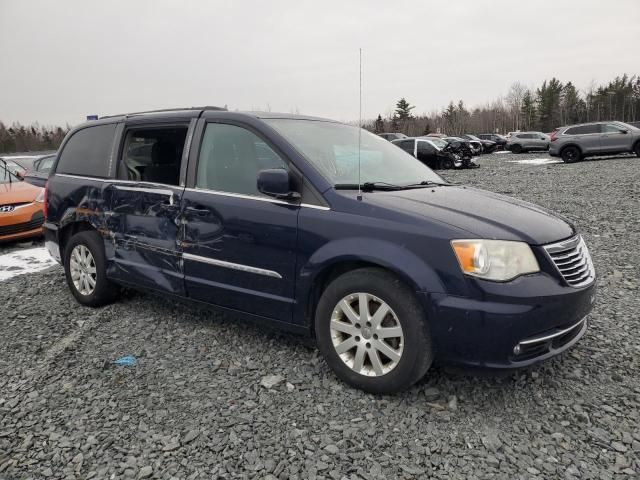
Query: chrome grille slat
[[572, 260]]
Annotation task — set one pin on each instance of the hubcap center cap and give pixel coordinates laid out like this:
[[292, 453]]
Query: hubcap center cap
[[366, 333]]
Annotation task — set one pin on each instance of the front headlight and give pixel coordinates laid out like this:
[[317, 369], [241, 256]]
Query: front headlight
[[40, 197], [497, 260]]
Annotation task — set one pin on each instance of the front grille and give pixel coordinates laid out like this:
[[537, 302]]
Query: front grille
[[36, 221], [571, 258]]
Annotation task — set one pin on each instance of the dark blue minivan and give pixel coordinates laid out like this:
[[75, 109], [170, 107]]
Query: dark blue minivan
[[320, 228]]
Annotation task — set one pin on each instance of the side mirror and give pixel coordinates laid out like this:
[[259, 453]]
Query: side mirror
[[275, 182], [624, 130]]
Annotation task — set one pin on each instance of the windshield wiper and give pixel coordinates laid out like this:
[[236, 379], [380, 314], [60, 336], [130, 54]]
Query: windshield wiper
[[369, 186], [427, 183], [384, 186]]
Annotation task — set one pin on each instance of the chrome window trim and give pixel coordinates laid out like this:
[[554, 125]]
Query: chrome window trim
[[254, 197], [233, 266], [201, 190]]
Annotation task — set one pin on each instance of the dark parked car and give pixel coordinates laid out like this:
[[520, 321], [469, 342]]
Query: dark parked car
[[500, 140], [392, 136], [268, 216], [488, 146], [433, 152]]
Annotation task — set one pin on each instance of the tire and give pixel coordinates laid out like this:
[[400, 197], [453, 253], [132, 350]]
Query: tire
[[516, 148], [570, 154], [636, 149], [447, 163], [88, 261], [409, 347]]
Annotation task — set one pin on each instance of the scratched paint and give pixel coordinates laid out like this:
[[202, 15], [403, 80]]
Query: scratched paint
[[20, 262]]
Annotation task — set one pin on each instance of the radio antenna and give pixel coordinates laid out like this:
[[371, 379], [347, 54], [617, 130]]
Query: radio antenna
[[360, 130]]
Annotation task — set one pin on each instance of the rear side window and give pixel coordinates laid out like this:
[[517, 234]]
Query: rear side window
[[406, 145], [583, 130], [88, 152]]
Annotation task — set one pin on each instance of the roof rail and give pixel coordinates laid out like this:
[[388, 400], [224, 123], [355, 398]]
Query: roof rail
[[127, 115]]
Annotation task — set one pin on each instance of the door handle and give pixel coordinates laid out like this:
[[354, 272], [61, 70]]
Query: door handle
[[199, 211]]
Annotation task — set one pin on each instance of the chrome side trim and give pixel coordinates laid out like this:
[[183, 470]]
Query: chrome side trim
[[240, 195], [160, 191], [545, 338], [317, 207], [232, 266]]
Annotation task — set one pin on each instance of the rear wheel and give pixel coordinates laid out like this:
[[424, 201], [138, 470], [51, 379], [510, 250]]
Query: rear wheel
[[447, 163], [570, 154], [516, 148], [85, 269], [372, 331]]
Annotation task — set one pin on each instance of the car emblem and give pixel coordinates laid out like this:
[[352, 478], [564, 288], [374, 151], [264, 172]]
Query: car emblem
[[7, 208]]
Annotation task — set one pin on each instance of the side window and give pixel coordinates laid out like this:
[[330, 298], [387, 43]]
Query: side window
[[406, 145], [583, 130], [231, 157], [425, 147], [611, 128], [88, 152], [153, 154]]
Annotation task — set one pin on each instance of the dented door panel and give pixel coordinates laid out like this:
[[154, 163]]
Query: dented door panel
[[147, 227]]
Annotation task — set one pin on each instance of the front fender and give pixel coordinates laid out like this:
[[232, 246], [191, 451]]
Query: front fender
[[407, 265]]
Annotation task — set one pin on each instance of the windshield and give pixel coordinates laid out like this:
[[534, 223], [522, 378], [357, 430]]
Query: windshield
[[437, 142], [627, 125], [472, 137], [332, 148], [6, 176]]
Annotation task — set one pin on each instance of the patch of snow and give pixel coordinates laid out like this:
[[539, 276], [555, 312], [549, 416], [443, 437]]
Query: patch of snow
[[24, 261], [502, 151], [537, 161]]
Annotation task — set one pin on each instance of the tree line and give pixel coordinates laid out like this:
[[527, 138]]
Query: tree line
[[30, 138], [550, 105]]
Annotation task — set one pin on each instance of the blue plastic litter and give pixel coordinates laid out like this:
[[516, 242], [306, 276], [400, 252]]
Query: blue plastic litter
[[128, 361]]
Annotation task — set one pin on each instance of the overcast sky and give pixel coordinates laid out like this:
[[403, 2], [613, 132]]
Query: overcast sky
[[61, 60]]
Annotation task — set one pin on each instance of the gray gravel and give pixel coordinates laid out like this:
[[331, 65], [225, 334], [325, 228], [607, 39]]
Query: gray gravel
[[214, 398]]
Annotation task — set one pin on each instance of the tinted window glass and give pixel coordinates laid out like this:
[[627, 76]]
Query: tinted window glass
[[425, 147], [583, 130], [231, 157], [406, 145], [88, 152]]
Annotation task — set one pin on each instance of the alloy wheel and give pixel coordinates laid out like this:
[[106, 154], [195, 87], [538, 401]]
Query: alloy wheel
[[367, 334], [82, 267]]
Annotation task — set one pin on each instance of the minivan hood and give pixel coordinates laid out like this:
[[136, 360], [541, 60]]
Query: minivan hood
[[483, 214]]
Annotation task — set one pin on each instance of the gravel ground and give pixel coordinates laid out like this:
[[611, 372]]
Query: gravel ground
[[214, 398]]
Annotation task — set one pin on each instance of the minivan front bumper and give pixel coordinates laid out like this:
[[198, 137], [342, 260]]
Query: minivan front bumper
[[509, 325]]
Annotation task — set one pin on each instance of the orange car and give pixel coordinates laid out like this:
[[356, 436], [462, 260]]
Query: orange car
[[21, 207]]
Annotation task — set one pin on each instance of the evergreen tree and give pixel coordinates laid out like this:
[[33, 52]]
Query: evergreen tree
[[403, 109], [378, 126]]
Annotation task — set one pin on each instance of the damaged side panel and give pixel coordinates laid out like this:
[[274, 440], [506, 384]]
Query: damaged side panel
[[146, 228]]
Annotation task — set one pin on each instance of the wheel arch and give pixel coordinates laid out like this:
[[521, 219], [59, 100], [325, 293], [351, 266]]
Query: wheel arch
[[322, 269], [69, 230], [572, 144]]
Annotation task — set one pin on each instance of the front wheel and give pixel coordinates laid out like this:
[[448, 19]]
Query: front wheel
[[516, 148], [636, 149], [85, 269], [372, 332]]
